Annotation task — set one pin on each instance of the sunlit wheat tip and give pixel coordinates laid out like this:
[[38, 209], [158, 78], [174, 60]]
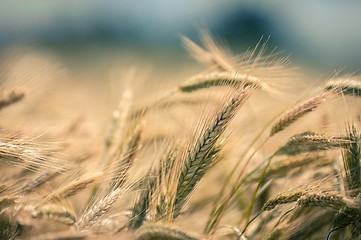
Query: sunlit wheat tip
[[296, 113]]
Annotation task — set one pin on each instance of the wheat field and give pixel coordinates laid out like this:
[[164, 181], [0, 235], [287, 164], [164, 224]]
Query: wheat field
[[245, 149]]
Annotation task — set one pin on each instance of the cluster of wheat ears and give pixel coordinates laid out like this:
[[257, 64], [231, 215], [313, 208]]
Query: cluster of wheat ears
[[220, 174]]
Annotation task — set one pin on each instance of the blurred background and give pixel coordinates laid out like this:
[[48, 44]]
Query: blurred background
[[95, 35]]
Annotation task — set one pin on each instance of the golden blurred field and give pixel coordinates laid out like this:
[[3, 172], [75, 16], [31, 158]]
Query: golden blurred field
[[244, 147]]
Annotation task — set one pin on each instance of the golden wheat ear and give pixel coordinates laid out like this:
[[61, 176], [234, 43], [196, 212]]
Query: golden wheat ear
[[152, 182], [98, 209], [30, 154], [351, 155], [56, 212], [297, 112], [75, 186], [253, 69], [125, 158], [329, 200], [119, 122], [195, 161], [347, 86], [307, 142], [153, 232], [221, 79], [269, 71], [37, 181]]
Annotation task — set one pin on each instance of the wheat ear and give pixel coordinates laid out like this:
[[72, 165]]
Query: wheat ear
[[220, 79], [346, 86], [125, 158], [195, 160], [282, 199], [297, 112], [329, 200], [310, 142], [98, 210], [139, 211], [153, 180], [75, 186], [38, 181], [351, 155], [118, 123], [27, 154], [55, 212], [162, 232]]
